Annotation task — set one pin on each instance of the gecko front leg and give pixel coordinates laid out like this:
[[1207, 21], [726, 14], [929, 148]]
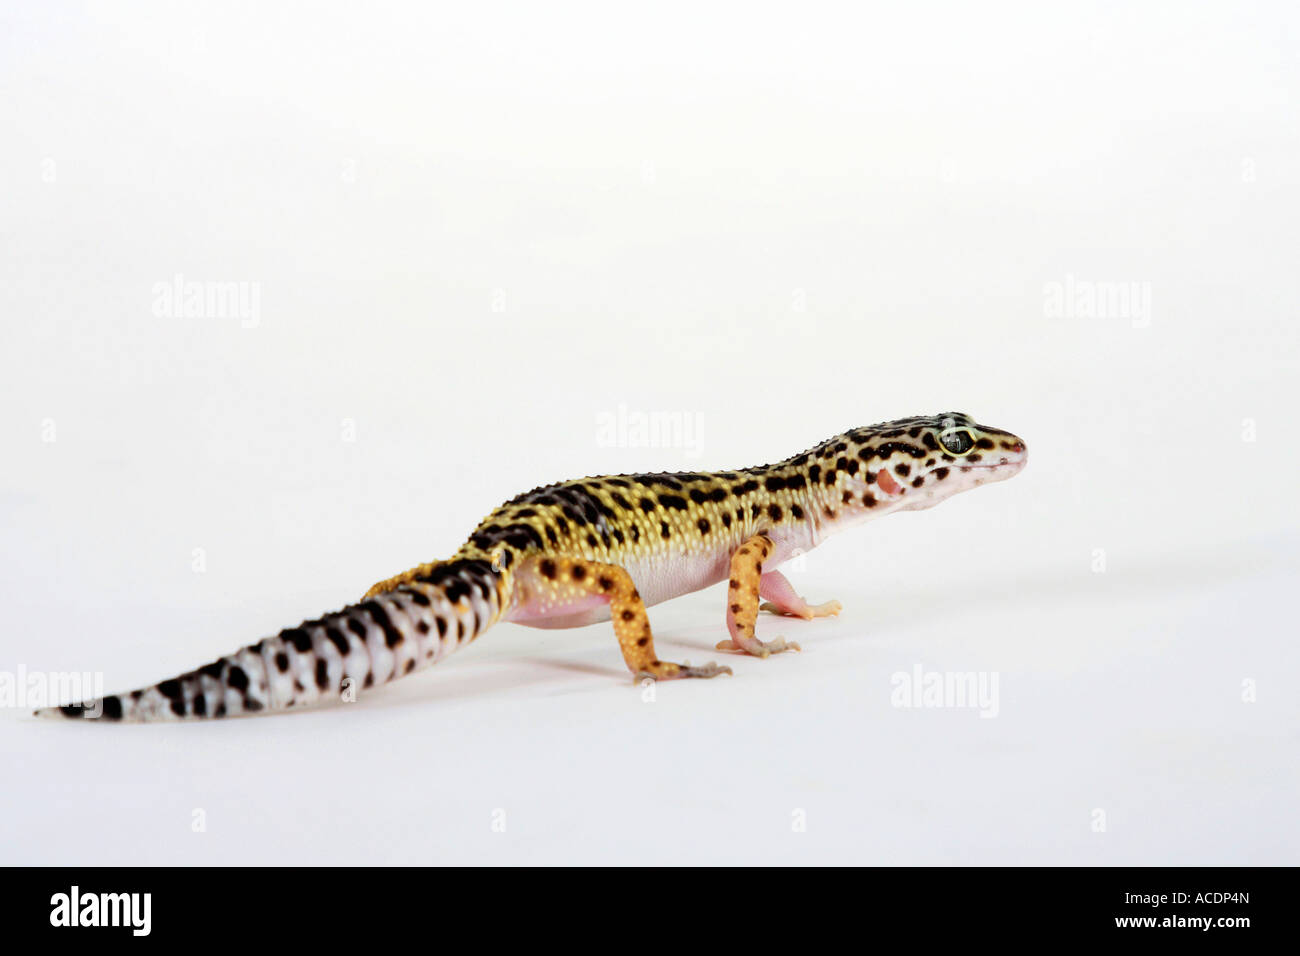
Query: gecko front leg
[[782, 599], [742, 601]]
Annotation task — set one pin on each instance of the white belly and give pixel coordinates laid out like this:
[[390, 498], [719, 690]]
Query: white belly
[[666, 575], [658, 578]]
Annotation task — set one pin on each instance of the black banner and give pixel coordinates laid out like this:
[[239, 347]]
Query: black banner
[[333, 906]]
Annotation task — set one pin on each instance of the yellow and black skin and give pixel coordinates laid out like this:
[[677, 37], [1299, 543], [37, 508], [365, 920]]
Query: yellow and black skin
[[599, 548]]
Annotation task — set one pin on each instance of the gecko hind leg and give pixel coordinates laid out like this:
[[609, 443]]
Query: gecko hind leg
[[782, 599], [742, 601], [577, 578]]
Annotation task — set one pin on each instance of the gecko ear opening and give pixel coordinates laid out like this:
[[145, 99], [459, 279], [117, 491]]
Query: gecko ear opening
[[885, 481]]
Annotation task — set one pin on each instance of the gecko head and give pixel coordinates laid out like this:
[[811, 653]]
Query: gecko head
[[916, 463]]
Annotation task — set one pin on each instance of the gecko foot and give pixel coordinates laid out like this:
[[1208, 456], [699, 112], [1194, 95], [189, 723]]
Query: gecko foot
[[759, 648], [806, 612], [666, 670]]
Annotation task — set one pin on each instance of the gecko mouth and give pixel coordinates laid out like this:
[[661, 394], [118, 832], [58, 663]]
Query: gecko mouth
[[1005, 464], [1004, 467]]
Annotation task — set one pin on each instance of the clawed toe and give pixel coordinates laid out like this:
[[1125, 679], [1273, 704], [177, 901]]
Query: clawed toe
[[759, 648], [829, 609], [776, 609], [675, 671], [777, 645], [805, 613], [710, 669]]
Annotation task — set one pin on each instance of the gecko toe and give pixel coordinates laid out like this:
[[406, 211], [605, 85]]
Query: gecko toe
[[779, 611], [669, 671], [760, 649], [710, 669]]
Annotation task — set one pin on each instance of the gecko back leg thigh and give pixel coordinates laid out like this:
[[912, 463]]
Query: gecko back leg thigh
[[559, 581], [742, 601]]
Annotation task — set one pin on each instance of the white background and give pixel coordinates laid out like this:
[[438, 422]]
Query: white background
[[476, 231]]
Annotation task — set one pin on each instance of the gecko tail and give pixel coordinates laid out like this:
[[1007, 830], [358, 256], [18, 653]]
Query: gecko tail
[[329, 660]]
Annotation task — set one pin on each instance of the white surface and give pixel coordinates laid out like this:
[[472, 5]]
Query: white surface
[[648, 199]]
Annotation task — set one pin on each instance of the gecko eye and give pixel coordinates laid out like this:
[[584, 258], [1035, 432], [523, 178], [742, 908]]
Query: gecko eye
[[957, 441]]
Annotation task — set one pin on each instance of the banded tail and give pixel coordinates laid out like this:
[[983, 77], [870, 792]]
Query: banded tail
[[386, 635]]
